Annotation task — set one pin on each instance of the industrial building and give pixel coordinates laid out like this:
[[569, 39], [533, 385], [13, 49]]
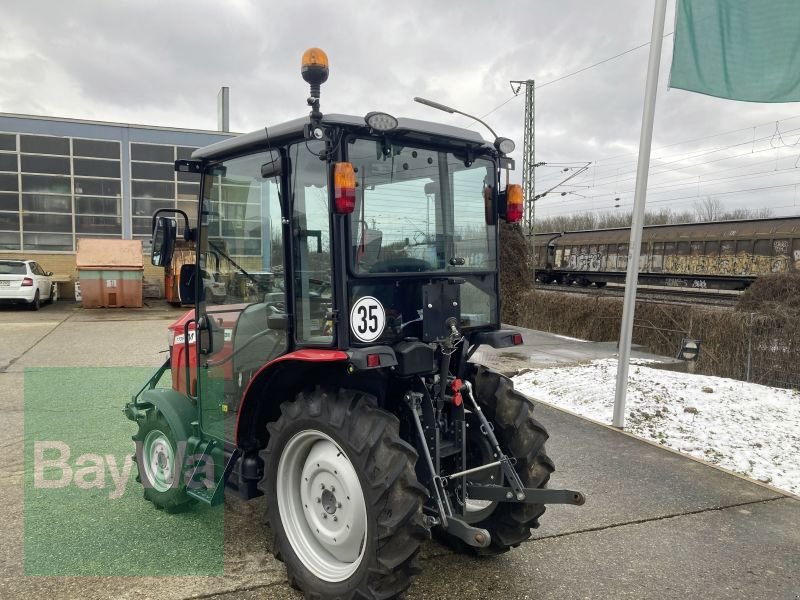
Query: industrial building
[[66, 179]]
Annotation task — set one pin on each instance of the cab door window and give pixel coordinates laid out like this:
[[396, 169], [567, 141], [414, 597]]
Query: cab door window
[[239, 274], [311, 244]]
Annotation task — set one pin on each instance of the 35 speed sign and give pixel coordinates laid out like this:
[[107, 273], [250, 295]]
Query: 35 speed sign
[[367, 319]]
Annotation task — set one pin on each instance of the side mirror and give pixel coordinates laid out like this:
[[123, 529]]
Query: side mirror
[[48, 273], [165, 231]]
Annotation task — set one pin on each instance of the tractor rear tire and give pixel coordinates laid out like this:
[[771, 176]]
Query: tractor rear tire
[[522, 437], [160, 464], [343, 499]]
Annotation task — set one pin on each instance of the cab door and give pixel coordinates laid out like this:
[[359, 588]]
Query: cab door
[[240, 287]]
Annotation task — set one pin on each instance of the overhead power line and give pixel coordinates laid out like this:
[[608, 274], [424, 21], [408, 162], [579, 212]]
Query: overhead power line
[[684, 198], [659, 170], [568, 75]]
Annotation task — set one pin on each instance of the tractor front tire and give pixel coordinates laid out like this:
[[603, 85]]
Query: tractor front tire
[[343, 499], [520, 436], [160, 463]]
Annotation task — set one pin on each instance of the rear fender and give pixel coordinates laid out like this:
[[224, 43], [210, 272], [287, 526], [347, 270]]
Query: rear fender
[[279, 381]]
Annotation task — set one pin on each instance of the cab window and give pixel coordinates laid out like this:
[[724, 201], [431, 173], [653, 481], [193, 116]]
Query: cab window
[[312, 244]]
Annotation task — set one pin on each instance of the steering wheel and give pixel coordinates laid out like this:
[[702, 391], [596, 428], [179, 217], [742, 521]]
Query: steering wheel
[[400, 265]]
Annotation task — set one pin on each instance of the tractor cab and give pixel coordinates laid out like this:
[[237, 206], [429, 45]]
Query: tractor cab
[[336, 233], [346, 272]]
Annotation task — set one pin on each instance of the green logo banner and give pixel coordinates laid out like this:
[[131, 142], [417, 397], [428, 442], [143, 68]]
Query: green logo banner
[[738, 49], [84, 510]]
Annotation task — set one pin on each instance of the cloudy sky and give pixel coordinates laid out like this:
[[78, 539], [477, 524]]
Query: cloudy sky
[[162, 63]]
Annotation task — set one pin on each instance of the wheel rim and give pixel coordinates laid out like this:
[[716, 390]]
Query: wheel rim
[[322, 506], [159, 461]]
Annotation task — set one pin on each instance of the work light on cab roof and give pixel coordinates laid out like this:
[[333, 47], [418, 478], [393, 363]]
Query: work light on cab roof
[[380, 121]]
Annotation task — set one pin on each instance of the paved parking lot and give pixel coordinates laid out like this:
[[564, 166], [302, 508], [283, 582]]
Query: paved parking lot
[[655, 525]]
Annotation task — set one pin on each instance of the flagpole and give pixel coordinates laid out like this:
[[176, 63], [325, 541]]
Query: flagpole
[[634, 248]]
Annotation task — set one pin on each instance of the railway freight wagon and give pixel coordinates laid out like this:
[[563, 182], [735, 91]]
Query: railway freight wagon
[[718, 255]]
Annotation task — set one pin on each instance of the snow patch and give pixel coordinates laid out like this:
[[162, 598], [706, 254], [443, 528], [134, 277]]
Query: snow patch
[[751, 429]]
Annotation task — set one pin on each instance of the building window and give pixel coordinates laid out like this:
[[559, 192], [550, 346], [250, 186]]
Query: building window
[[91, 167], [9, 193], [97, 188], [8, 142], [8, 162], [153, 153], [54, 188], [95, 148], [44, 144]]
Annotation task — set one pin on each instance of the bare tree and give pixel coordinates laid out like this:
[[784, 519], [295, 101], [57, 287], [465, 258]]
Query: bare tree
[[708, 209], [761, 213]]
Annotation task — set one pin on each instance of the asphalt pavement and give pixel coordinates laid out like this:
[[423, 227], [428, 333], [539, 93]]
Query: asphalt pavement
[[655, 524]]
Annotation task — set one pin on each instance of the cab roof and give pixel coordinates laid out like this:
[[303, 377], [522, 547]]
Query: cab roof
[[277, 134]]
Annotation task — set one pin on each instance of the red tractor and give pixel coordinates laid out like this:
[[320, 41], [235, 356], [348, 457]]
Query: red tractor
[[358, 263]]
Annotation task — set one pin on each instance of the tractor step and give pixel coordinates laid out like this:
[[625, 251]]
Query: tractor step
[[216, 495], [204, 495]]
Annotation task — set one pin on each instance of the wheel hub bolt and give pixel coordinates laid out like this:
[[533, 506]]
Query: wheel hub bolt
[[335, 518], [338, 505], [319, 500], [322, 486], [324, 515], [333, 489]]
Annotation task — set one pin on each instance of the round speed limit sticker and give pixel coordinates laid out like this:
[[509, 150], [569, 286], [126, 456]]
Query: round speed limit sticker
[[367, 319]]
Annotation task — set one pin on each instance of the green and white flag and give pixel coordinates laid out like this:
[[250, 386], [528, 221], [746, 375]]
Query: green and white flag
[[738, 49]]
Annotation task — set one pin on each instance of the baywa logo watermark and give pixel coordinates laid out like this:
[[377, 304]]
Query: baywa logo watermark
[[91, 492], [54, 467]]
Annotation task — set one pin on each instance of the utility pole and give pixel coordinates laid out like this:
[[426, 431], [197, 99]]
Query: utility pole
[[640, 195]]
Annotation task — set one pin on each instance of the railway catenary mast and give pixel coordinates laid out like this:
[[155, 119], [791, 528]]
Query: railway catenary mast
[[528, 155]]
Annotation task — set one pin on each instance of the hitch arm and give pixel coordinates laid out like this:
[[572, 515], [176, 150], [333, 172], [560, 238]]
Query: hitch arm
[[474, 536], [437, 485], [497, 493], [486, 428]]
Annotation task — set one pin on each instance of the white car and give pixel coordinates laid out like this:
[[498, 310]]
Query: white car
[[215, 290], [25, 281]]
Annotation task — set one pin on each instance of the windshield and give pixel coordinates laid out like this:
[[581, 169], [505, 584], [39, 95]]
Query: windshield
[[420, 210]]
